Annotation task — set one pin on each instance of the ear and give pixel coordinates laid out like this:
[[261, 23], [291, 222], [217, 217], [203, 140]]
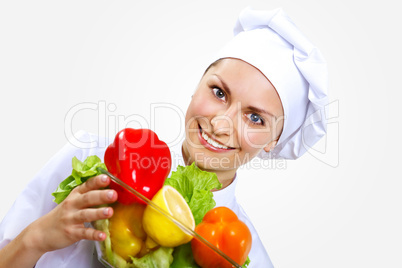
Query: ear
[[270, 146]]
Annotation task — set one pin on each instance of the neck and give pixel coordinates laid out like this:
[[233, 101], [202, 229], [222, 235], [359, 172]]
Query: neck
[[225, 177]]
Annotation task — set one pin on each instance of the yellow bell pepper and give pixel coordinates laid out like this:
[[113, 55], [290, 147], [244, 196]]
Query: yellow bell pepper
[[126, 232]]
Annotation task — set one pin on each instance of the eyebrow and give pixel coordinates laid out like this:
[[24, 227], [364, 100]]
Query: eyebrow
[[261, 111], [252, 108], [225, 86]]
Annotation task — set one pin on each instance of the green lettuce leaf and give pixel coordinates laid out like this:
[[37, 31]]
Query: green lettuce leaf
[[183, 257], [247, 263], [195, 186], [81, 172], [160, 258]]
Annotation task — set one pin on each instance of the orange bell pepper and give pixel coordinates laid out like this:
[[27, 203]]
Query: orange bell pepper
[[222, 228]]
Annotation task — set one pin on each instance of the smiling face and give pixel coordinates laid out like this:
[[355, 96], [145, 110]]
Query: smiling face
[[234, 113]]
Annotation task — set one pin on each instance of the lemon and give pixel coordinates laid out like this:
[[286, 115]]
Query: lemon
[[163, 231]]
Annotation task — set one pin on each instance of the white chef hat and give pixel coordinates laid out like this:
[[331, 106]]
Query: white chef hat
[[272, 43]]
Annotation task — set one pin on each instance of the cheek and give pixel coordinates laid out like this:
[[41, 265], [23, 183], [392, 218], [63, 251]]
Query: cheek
[[200, 106], [254, 139]]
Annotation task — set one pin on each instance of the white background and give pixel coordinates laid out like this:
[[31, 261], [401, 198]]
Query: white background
[[337, 207]]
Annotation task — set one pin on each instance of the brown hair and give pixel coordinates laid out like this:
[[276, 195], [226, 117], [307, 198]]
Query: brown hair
[[212, 65]]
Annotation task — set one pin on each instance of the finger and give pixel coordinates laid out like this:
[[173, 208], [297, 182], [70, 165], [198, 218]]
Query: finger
[[89, 234], [100, 181], [95, 198], [92, 214]]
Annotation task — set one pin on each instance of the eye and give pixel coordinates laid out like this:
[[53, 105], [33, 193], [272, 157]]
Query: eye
[[255, 119], [219, 93]]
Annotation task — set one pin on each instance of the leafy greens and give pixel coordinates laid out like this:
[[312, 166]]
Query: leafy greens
[[195, 186], [82, 171]]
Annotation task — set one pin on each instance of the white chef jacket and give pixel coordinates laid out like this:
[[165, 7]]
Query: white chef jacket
[[36, 200]]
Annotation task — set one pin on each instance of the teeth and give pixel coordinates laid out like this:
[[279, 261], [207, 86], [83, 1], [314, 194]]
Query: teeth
[[212, 142]]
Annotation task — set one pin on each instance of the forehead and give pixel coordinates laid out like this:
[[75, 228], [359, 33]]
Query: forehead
[[246, 84]]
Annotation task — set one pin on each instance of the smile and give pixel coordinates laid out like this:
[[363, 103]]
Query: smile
[[215, 144]]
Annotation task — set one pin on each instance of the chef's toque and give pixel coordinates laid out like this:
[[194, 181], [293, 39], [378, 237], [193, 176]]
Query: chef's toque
[[272, 43]]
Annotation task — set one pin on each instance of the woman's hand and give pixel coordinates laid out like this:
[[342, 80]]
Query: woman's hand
[[62, 226]]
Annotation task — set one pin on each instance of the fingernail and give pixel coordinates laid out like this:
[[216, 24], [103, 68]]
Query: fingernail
[[110, 194], [104, 178], [106, 211], [101, 236]]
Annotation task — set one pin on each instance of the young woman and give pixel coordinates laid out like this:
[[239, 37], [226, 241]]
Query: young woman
[[263, 96]]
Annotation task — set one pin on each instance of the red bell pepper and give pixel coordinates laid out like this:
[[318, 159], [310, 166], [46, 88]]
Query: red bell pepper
[[141, 160], [222, 228]]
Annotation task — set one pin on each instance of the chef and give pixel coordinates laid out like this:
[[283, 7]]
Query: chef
[[262, 96]]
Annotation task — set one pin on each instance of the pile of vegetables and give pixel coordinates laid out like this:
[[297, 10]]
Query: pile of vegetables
[[142, 161]]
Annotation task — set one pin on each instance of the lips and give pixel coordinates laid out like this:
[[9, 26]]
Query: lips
[[211, 143]]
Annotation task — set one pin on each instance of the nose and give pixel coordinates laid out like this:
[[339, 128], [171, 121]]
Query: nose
[[225, 123]]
